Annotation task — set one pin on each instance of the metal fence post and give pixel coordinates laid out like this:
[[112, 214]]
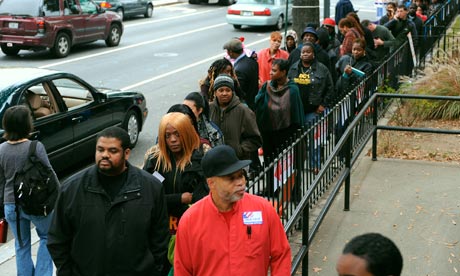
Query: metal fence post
[[374, 134]]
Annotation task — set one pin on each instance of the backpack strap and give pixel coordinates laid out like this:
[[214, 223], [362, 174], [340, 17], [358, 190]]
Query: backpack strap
[[32, 149]]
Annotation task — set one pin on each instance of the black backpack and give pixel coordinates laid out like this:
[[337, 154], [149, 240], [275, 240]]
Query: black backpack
[[35, 186]]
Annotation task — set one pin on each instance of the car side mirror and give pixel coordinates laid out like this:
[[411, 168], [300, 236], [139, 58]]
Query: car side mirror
[[100, 10], [101, 97]]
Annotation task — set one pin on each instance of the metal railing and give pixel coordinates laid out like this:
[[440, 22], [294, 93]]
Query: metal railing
[[310, 168]]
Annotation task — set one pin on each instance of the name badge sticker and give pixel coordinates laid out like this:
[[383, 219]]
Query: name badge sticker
[[251, 218], [158, 176]]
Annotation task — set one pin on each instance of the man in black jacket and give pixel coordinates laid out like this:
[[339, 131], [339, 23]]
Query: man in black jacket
[[400, 26], [246, 69], [110, 219]]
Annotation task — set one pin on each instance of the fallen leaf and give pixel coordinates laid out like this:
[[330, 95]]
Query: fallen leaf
[[317, 269], [450, 260], [419, 209], [452, 254], [455, 269], [325, 259], [453, 222], [451, 244]]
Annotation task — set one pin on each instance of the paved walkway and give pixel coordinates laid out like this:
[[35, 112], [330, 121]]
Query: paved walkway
[[415, 203]]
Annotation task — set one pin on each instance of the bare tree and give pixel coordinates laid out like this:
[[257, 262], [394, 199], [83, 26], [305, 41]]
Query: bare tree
[[304, 12]]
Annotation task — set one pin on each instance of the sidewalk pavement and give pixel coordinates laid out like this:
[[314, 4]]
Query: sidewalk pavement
[[414, 203]]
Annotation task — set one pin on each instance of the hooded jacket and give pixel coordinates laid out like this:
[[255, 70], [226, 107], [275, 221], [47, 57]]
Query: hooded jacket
[[238, 123], [275, 113]]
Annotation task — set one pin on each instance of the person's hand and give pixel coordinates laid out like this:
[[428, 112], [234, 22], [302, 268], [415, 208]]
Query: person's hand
[[347, 69], [186, 198], [320, 109], [378, 42]]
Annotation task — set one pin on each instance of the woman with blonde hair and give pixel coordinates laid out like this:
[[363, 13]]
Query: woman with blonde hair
[[177, 161]]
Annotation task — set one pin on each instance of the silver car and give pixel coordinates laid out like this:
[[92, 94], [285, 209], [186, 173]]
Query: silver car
[[259, 13]]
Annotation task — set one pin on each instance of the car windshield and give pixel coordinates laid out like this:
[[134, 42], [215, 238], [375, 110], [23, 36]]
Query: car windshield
[[20, 7], [266, 2]]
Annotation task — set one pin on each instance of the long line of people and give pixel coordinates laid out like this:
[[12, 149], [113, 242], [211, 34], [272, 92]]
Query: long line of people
[[247, 100]]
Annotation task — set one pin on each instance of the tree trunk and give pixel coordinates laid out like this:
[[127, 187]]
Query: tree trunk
[[304, 12]]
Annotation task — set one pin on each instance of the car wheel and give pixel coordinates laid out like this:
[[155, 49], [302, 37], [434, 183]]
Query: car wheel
[[237, 27], [149, 11], [62, 45], [131, 125], [114, 36], [10, 51], [121, 13], [279, 23]]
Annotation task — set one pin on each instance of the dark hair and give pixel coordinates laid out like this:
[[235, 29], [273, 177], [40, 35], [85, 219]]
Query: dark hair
[[380, 253], [283, 64], [311, 45], [402, 6], [361, 42], [17, 123], [199, 101], [215, 70], [365, 23], [117, 133], [353, 17], [393, 4], [184, 109], [323, 37]]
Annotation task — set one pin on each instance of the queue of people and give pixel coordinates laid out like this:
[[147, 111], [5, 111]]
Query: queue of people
[[186, 212]]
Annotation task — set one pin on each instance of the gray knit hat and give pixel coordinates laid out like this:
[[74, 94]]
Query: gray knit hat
[[223, 80]]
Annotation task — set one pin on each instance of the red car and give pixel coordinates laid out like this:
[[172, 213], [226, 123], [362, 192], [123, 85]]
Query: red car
[[55, 24]]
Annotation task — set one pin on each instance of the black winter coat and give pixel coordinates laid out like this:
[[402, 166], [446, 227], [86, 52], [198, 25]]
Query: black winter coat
[[191, 180], [346, 84], [247, 72], [321, 89], [90, 235]]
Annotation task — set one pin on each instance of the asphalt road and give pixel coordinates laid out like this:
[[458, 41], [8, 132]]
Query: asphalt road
[[163, 57]]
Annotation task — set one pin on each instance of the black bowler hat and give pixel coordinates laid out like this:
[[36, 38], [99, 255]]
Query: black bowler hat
[[222, 160]]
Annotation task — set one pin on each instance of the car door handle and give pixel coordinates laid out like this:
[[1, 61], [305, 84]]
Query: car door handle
[[77, 119]]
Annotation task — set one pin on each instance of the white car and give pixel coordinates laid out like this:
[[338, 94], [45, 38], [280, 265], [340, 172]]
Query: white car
[[260, 13]]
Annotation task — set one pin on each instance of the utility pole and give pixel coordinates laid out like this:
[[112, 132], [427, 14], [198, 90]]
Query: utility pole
[[304, 12]]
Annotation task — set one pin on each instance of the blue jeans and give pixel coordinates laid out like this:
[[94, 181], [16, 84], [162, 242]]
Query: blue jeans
[[314, 148], [24, 263]]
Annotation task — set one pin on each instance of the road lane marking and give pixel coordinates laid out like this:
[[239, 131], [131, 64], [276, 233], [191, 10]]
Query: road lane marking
[[183, 68], [118, 49], [169, 18]]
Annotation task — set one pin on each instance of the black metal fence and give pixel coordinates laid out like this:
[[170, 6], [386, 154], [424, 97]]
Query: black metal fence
[[434, 30], [312, 166]]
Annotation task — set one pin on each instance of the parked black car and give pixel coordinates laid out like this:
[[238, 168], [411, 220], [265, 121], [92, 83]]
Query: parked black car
[[68, 112], [128, 8]]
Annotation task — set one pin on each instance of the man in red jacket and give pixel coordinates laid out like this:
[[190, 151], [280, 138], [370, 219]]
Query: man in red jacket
[[230, 232]]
